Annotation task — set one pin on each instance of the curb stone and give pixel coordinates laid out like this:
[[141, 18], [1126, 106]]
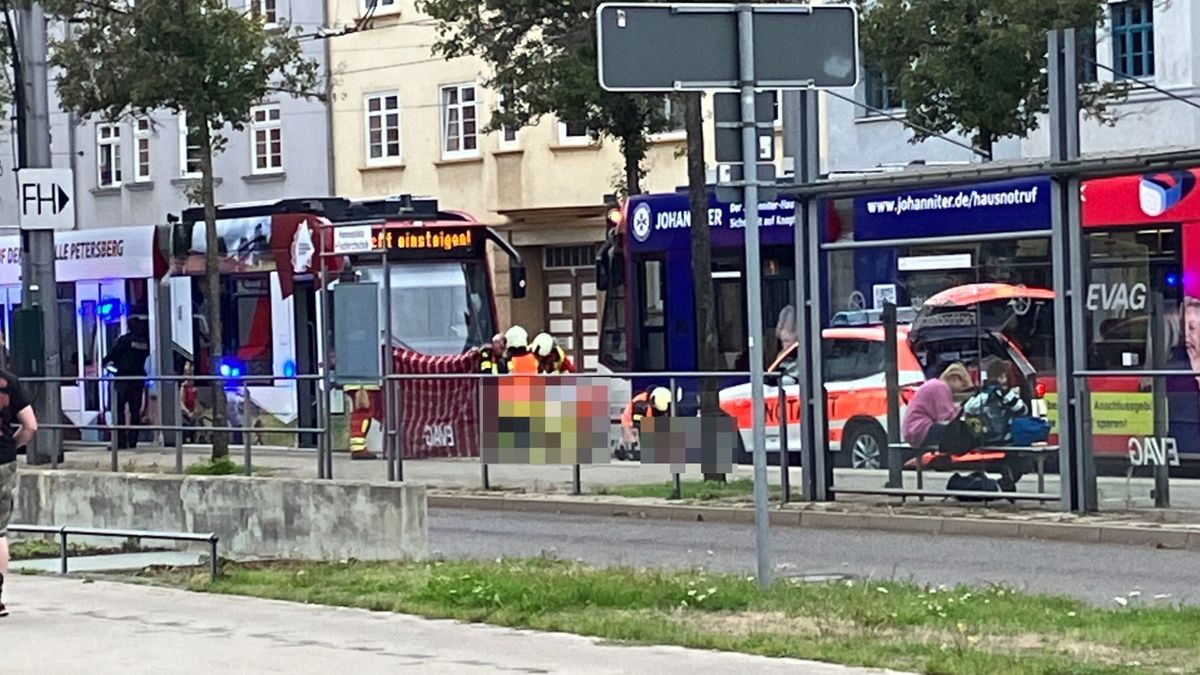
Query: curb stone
[[1082, 533]]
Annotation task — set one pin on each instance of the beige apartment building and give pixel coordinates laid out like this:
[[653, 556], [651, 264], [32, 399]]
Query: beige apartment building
[[407, 121]]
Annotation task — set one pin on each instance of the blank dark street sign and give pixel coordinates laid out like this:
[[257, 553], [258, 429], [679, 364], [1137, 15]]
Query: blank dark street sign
[[663, 47]]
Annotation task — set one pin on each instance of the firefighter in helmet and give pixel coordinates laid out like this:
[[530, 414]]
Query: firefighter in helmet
[[653, 402], [521, 361], [552, 360], [491, 357]]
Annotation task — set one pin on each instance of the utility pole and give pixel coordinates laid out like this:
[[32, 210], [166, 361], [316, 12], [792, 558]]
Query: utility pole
[[37, 246]]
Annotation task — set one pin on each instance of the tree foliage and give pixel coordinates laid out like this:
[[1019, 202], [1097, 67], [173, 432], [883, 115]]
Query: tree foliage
[[975, 66], [542, 56], [198, 57]]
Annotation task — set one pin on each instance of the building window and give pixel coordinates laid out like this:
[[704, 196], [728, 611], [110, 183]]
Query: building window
[[189, 148], [880, 92], [460, 120], [777, 107], [574, 133], [508, 135], [673, 111], [383, 128], [565, 257], [108, 155], [267, 132], [1133, 38], [379, 6], [142, 131], [265, 10]]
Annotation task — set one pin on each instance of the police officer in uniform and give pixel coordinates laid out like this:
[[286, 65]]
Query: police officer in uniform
[[127, 358]]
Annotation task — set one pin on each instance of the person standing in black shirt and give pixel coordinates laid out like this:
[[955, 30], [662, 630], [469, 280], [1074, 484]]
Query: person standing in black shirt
[[128, 359], [14, 410]]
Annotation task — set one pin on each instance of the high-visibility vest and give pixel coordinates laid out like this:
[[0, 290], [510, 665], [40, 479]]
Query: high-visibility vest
[[523, 364], [489, 363], [638, 409], [558, 364]]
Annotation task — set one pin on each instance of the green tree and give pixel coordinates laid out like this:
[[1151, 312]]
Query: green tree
[[196, 57], [542, 59], [976, 67]]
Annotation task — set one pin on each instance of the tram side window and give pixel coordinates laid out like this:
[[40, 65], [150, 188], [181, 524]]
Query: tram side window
[[250, 339], [731, 322], [652, 308]]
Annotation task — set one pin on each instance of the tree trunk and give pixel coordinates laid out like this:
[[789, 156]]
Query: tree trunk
[[705, 301], [212, 287], [633, 177]]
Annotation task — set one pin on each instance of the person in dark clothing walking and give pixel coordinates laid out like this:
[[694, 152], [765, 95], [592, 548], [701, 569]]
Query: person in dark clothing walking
[[17, 426], [127, 358]]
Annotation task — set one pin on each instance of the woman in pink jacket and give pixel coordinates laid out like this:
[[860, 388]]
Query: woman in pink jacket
[[934, 406]]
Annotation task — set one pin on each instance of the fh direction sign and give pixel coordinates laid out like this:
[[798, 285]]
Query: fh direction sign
[[44, 199], [676, 47]]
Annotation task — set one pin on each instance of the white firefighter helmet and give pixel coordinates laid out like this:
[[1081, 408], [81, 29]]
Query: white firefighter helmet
[[542, 345], [516, 338], [660, 399]]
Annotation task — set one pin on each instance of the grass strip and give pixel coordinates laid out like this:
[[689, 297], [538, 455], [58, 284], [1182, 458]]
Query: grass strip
[[903, 626], [690, 489]]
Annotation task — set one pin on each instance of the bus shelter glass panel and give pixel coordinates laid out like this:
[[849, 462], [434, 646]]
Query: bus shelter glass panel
[[972, 287], [1142, 317]]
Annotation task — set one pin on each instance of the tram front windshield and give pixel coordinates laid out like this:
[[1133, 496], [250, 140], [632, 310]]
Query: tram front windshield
[[441, 308]]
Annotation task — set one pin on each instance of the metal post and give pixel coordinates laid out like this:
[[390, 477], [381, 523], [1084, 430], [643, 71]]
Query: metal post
[[389, 449], [785, 479], [1154, 358], [246, 429], [62, 549], [754, 288], [1066, 243], [576, 480], [325, 447], [178, 434], [891, 372], [676, 478], [37, 258], [114, 433], [484, 479], [213, 562]]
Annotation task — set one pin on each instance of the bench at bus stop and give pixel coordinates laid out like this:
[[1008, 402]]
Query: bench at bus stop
[[1039, 453]]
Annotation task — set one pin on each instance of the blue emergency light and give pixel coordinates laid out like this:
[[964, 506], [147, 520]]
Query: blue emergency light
[[1172, 279], [109, 310], [289, 368]]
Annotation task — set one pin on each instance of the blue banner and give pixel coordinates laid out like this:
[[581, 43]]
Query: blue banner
[[663, 221], [1003, 206]]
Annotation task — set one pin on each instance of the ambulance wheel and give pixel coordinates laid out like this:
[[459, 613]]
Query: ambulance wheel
[[864, 446]]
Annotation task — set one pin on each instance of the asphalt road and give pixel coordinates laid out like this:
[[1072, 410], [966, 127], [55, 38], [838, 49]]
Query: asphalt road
[[1093, 572]]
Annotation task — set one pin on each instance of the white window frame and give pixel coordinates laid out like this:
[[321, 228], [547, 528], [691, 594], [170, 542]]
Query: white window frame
[[384, 158], [509, 137], [382, 7], [566, 138], [143, 131], [267, 9], [183, 150], [460, 107], [265, 127], [108, 142]]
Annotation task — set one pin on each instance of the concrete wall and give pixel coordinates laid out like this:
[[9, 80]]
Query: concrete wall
[[254, 517]]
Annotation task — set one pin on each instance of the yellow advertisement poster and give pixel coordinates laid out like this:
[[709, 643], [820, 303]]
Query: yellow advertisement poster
[[1113, 413]]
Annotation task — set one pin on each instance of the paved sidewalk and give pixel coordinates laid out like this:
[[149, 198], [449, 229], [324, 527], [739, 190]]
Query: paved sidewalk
[[63, 626]]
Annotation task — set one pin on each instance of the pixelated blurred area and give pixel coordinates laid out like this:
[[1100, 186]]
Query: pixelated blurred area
[[690, 444], [530, 420]]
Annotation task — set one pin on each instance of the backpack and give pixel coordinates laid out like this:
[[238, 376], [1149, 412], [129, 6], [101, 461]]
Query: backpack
[[992, 422], [1029, 430], [976, 481]]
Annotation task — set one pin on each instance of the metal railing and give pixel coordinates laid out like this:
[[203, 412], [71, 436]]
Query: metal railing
[[64, 531], [178, 429]]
